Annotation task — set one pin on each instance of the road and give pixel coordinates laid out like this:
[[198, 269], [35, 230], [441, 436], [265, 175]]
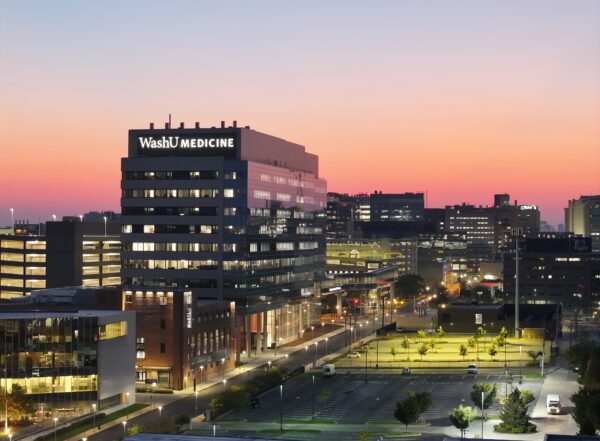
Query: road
[[186, 405]]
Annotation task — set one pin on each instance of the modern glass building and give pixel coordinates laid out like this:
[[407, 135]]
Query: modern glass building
[[70, 362], [225, 214]]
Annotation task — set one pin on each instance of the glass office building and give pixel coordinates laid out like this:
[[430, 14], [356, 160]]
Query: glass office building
[[69, 362]]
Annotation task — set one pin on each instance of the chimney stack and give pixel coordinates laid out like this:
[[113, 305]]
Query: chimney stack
[[234, 124], [222, 124], [182, 125], [151, 126], [197, 125]]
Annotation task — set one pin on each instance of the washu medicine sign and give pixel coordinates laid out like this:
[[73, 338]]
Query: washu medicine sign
[[185, 144]]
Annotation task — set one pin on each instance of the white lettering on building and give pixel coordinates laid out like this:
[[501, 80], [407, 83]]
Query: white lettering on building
[[174, 142]]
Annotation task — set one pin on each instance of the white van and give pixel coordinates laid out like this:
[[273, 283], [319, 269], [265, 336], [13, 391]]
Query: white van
[[328, 370]]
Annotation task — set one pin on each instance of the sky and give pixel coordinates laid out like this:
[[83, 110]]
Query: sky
[[459, 99]]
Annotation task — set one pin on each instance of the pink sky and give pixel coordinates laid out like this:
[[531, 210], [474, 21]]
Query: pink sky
[[461, 100]]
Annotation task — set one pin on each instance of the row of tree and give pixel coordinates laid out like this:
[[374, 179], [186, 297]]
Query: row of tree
[[585, 355], [514, 411]]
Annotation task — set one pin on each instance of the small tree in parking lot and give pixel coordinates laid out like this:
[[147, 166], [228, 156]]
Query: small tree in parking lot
[[394, 352], [463, 351], [492, 351], [489, 395], [405, 345], [422, 350], [420, 335], [408, 410], [461, 418]]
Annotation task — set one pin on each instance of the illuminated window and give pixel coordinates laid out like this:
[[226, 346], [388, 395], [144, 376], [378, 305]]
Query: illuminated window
[[113, 330], [228, 193]]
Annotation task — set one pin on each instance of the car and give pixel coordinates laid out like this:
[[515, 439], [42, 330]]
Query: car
[[405, 371], [472, 369], [354, 354]]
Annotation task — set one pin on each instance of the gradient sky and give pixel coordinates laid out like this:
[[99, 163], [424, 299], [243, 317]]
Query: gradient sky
[[462, 99]]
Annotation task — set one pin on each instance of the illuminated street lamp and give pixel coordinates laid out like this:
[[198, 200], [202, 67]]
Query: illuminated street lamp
[[105, 219], [124, 428], [326, 340], [55, 422], [159, 411]]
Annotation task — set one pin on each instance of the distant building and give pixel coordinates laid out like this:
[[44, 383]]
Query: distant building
[[361, 255], [70, 253], [582, 217], [557, 268], [398, 207]]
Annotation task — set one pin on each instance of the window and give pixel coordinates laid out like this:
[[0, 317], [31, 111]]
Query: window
[[229, 211], [148, 228], [163, 348], [113, 330], [162, 300], [228, 193]]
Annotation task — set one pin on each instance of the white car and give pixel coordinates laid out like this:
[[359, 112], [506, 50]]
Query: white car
[[354, 354], [472, 369]]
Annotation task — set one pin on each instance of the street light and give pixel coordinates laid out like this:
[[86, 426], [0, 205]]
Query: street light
[[306, 350], [54, 217], [223, 364], [55, 421], [124, 428], [201, 369], [312, 332], [316, 352], [94, 412], [12, 219], [104, 217], [196, 407], [127, 414], [313, 397], [326, 340], [281, 407], [269, 363]]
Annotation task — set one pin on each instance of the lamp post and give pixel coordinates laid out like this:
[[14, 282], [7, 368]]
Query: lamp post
[[313, 397], [94, 413], [316, 353], [312, 332], [54, 217], [306, 351], [104, 217], [10, 435], [55, 421], [124, 428], [281, 407], [520, 352], [196, 406], [269, 363], [482, 415], [127, 414], [366, 361], [223, 364], [326, 351], [201, 369], [160, 411], [12, 219]]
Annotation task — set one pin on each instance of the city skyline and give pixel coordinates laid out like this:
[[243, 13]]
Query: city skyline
[[459, 100]]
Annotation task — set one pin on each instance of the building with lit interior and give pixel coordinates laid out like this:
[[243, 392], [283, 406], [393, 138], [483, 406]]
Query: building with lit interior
[[218, 214]]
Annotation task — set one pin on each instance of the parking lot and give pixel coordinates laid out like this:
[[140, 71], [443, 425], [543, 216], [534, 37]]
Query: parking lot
[[352, 401]]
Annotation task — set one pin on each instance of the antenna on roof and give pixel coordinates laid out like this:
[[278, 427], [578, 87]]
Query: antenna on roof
[[169, 120]]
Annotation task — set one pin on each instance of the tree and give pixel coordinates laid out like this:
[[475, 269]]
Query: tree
[[527, 397], [579, 353], [420, 335], [423, 399], [503, 333], [463, 351], [534, 355], [394, 352], [181, 420], [409, 285], [585, 414], [405, 343], [479, 333], [363, 435], [472, 342], [440, 332], [432, 343], [490, 391], [422, 350], [591, 376], [500, 341], [407, 411], [20, 405], [461, 418], [492, 351], [514, 415]]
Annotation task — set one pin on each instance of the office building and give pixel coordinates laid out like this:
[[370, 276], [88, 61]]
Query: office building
[[582, 217], [219, 214], [404, 207], [70, 253], [557, 268], [360, 255], [69, 360]]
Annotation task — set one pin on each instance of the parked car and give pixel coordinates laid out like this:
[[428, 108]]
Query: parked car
[[405, 371], [354, 354], [472, 369]]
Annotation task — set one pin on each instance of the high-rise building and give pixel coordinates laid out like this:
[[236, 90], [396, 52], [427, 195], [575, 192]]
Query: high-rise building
[[70, 253], [582, 217], [221, 214]]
